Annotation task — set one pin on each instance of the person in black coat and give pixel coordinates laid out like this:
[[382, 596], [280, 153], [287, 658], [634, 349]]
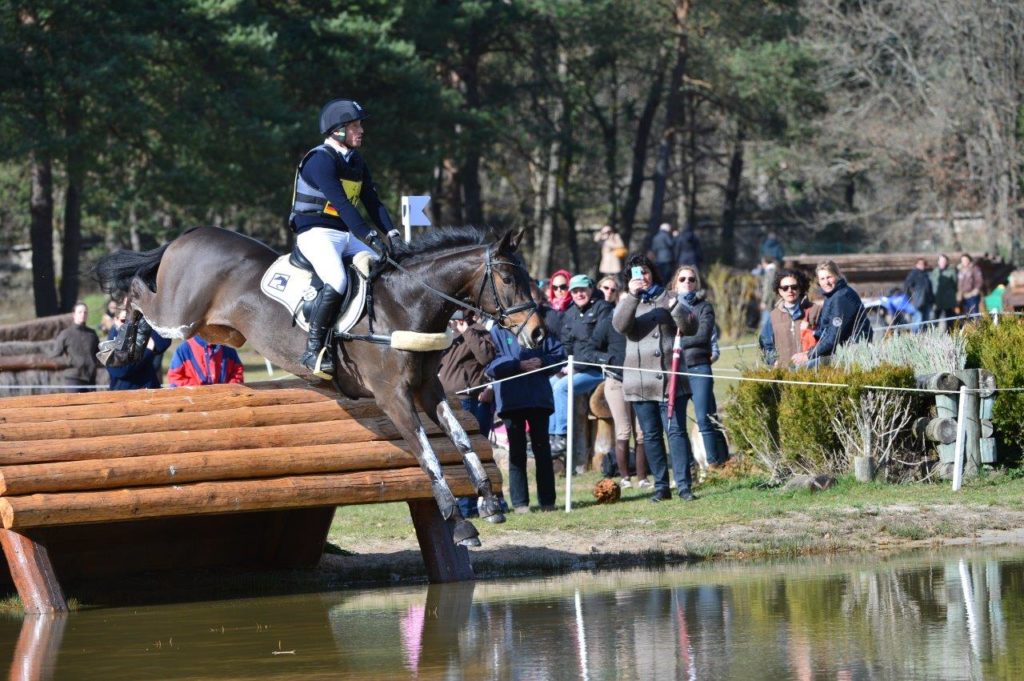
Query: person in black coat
[[521, 402], [918, 286], [578, 324], [843, 318]]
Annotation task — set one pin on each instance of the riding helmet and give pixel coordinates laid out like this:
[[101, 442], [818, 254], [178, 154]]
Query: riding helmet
[[338, 112]]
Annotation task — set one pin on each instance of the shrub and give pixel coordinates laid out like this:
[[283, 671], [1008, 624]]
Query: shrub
[[801, 426], [732, 292], [1000, 349], [928, 352]]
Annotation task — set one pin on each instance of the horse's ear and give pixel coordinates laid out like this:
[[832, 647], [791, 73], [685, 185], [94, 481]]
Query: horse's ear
[[510, 241]]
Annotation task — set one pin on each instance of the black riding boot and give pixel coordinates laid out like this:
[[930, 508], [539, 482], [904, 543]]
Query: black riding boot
[[316, 358]]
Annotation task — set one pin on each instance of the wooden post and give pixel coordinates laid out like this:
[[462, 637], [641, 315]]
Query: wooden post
[[445, 562], [945, 407], [958, 448], [972, 427], [864, 468], [33, 574], [35, 655]]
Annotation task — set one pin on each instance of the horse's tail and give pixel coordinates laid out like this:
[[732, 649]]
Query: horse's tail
[[115, 272]]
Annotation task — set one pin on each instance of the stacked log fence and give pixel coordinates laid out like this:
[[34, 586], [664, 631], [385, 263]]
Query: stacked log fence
[[120, 482]]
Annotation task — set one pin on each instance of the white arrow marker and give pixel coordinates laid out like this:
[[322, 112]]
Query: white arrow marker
[[413, 213]]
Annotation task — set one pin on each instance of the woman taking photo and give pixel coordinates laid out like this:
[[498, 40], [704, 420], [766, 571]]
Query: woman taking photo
[[649, 316], [697, 356], [792, 321]]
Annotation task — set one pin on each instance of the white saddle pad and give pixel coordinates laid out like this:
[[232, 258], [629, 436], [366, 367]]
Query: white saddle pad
[[290, 286]]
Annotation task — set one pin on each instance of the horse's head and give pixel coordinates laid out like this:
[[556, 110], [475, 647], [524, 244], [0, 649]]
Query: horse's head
[[509, 282]]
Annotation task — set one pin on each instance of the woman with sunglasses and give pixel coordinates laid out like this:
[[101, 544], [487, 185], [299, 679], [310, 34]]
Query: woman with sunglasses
[[697, 355], [558, 301], [791, 322], [648, 317]]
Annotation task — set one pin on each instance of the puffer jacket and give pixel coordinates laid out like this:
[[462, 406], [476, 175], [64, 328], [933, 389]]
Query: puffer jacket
[[577, 334], [843, 319], [697, 347], [650, 328]]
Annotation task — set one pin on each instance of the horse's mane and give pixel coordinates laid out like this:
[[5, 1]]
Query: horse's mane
[[441, 238]]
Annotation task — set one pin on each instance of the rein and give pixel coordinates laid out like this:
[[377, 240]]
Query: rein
[[502, 312]]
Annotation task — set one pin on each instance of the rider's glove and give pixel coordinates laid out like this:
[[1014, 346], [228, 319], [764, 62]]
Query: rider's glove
[[394, 238], [376, 243]]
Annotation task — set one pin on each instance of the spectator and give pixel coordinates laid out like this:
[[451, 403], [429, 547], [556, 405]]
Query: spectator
[[843, 318], [766, 271], [578, 324], [968, 285], [918, 286], [79, 344], [697, 355], [558, 301], [663, 251], [649, 317], [944, 286], [109, 317], [899, 310], [791, 324], [525, 403], [143, 373], [687, 248], [772, 247], [196, 362], [462, 367], [613, 250], [624, 420]]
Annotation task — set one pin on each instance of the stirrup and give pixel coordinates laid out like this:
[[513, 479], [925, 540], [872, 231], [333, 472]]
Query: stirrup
[[318, 368]]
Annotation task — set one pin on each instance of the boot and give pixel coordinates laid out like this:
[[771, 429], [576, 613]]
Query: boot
[[622, 459], [317, 358]]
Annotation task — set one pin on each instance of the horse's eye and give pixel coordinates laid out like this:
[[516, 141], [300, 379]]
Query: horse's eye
[[507, 280]]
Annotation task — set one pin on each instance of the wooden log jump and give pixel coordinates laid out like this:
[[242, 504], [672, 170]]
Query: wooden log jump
[[84, 477]]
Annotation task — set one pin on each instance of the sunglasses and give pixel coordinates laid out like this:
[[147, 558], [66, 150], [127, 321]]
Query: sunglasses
[[559, 287], [688, 280], [609, 288], [789, 287]]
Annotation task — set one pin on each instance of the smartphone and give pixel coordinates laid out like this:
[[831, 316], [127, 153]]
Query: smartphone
[[637, 272]]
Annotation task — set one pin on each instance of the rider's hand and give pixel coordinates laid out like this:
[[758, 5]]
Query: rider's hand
[[395, 238], [376, 243]]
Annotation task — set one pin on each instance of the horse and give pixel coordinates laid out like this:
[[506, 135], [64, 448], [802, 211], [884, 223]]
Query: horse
[[207, 282]]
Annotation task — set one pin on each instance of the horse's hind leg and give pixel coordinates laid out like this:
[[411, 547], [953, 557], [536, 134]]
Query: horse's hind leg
[[402, 413], [129, 344], [440, 412]]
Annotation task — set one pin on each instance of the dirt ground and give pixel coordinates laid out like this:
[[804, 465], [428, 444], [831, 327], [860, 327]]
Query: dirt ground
[[519, 553]]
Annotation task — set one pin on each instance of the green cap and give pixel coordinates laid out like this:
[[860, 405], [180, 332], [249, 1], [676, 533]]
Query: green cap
[[580, 281]]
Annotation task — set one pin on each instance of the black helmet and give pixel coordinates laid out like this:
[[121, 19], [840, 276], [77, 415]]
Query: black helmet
[[338, 112]]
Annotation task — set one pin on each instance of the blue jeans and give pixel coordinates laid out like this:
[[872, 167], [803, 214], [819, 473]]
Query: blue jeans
[[654, 422], [705, 408], [969, 305], [582, 383], [483, 411]]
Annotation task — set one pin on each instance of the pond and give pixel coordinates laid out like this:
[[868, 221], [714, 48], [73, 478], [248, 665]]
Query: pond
[[946, 615]]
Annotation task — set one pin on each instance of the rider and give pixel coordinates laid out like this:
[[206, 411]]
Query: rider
[[330, 180]]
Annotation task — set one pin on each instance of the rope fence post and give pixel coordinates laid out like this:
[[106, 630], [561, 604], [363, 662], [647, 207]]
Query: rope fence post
[[568, 438], [958, 448]]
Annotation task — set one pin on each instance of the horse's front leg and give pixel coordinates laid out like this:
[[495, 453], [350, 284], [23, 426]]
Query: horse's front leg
[[402, 412], [440, 412]]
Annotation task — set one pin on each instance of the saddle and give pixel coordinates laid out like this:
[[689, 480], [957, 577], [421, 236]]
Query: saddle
[[291, 281]]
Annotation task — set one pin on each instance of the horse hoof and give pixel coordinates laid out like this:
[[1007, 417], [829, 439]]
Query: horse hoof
[[465, 534], [103, 356], [496, 519], [489, 506]]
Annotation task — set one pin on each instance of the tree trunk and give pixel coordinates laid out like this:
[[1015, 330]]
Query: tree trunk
[[640, 141], [41, 210], [469, 171], [727, 248], [72, 246], [673, 111]]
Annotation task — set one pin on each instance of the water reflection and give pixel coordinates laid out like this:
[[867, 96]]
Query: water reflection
[[947, 617]]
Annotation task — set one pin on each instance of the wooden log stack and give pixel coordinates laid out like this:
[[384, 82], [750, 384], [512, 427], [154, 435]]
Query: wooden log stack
[[104, 484]]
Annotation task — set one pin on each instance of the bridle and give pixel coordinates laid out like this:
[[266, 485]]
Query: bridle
[[502, 312]]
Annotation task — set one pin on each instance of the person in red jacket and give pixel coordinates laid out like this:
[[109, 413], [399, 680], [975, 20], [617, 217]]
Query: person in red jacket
[[196, 362]]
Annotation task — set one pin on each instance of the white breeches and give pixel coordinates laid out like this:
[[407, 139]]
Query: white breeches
[[325, 247]]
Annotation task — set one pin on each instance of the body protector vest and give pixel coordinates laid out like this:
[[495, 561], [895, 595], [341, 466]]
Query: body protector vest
[[308, 200]]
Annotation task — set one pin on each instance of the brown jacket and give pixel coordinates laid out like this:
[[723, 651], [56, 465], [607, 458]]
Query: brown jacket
[[463, 363], [787, 331], [650, 328], [969, 281]]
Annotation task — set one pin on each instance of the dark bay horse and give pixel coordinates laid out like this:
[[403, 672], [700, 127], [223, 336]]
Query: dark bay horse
[[207, 282]]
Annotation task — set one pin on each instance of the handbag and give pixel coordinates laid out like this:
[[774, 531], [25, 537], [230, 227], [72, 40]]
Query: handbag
[[620, 252]]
